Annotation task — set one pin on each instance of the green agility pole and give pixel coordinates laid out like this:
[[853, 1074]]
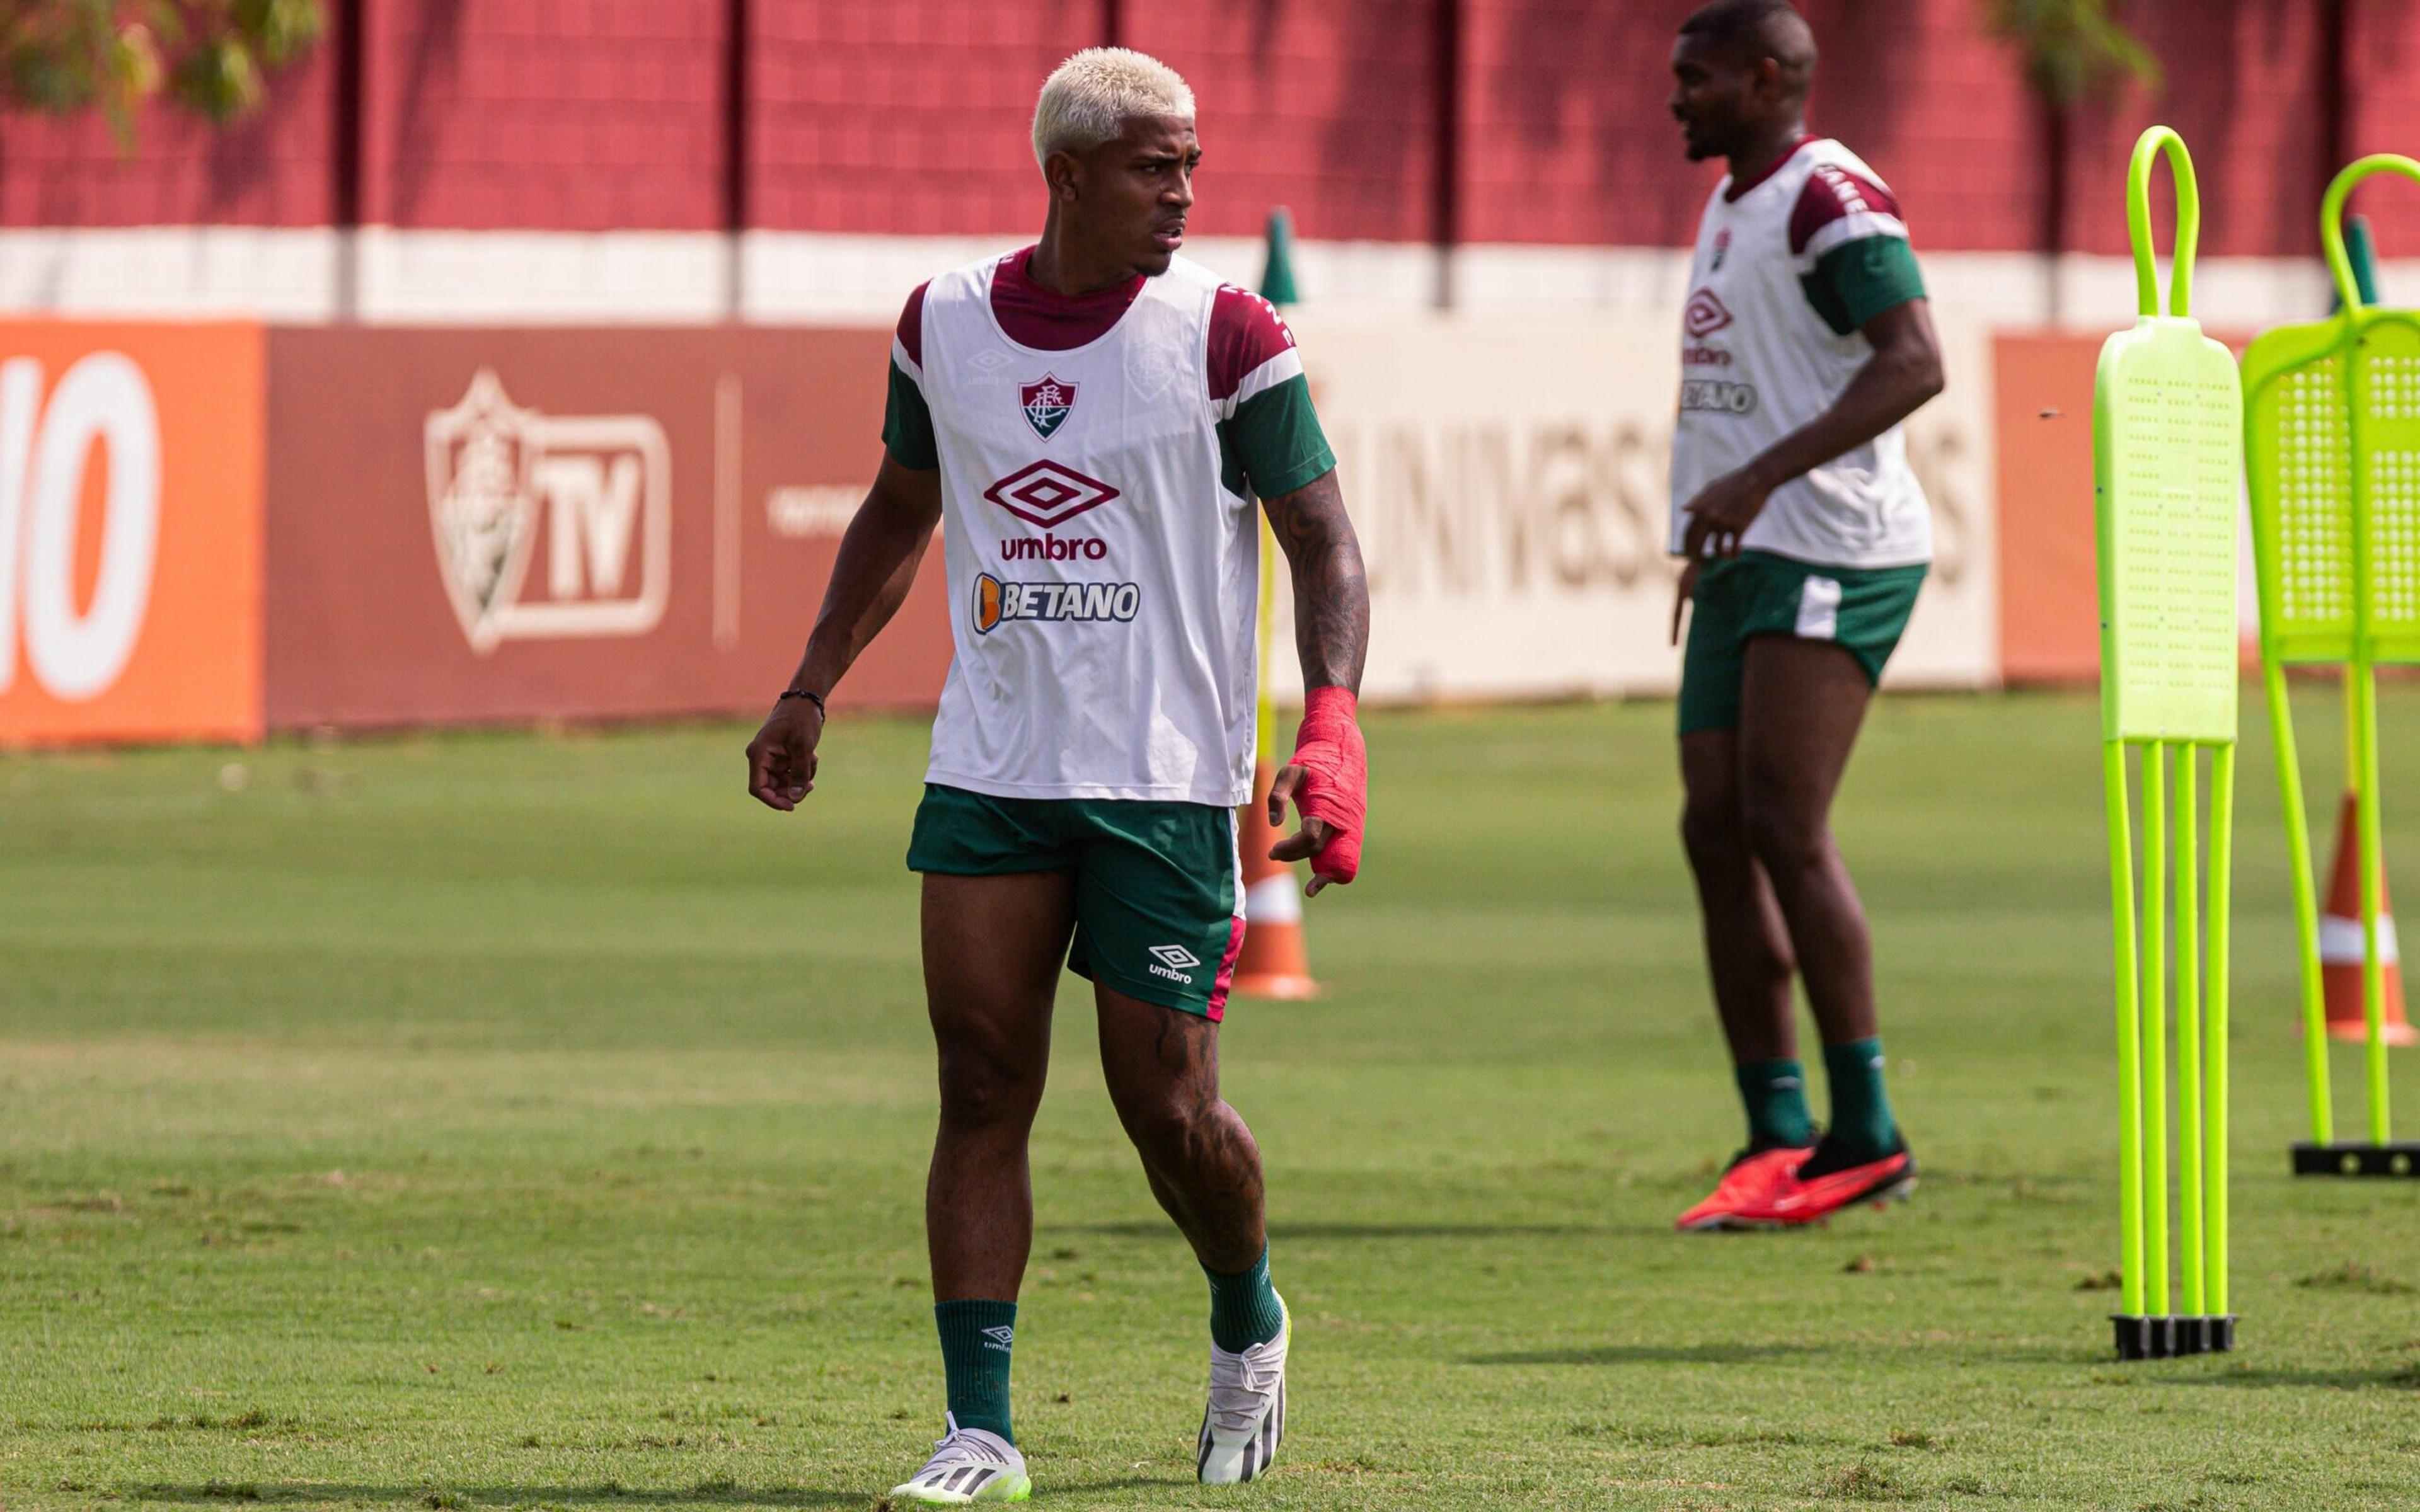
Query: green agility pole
[[2167, 468], [2331, 419]]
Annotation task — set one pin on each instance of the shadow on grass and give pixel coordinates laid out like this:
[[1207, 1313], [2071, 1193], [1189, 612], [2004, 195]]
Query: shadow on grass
[[1282, 1231], [442, 1495], [2402, 1378], [1649, 1354]]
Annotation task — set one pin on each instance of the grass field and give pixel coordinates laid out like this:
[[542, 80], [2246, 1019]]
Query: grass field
[[530, 1120]]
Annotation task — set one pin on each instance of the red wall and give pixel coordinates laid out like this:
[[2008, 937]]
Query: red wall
[[2244, 85], [906, 117], [566, 115], [1565, 133], [272, 169], [1938, 107], [910, 116], [2386, 56], [1329, 110]]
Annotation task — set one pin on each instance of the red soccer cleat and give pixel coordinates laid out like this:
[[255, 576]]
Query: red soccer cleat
[[1751, 1184], [1808, 1191]]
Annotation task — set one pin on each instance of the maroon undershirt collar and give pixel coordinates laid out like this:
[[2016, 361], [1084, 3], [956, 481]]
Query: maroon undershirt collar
[[1032, 316]]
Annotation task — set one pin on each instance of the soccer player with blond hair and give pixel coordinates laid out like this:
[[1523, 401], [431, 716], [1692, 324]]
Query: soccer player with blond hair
[[1089, 419]]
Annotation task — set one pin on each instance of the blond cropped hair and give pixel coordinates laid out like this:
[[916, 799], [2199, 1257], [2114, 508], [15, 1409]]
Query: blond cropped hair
[[1088, 99]]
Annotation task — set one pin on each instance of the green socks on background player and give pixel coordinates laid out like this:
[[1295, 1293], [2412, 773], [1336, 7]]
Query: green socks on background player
[[975, 1341], [1862, 1125], [1244, 1308], [1774, 1092]]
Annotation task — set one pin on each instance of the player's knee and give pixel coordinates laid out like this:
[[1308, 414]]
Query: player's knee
[[981, 1091], [1782, 838], [1711, 832]]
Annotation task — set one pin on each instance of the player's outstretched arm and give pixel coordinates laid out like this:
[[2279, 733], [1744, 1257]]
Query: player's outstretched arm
[[1903, 373], [1328, 776], [876, 566]]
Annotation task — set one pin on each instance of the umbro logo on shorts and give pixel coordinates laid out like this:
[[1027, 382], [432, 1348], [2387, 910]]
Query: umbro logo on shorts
[[1174, 962]]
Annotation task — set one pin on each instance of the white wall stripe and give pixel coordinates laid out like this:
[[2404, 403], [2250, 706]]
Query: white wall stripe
[[389, 276]]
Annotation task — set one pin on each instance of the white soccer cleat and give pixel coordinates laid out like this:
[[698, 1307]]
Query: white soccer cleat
[[967, 1465], [1246, 1416]]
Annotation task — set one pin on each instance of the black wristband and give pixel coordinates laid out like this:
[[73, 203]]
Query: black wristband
[[814, 698]]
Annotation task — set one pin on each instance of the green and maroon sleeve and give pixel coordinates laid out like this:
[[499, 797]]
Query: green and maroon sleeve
[[1851, 246], [1269, 437], [906, 419]]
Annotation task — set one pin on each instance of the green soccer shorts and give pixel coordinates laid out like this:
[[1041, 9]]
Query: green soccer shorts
[[1864, 609], [1159, 898]]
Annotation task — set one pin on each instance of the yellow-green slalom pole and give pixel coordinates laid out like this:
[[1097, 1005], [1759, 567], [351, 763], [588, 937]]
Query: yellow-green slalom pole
[[2130, 1031], [2189, 1069], [2373, 866], [2154, 1015], [2305, 892], [2360, 676], [2214, 1037]]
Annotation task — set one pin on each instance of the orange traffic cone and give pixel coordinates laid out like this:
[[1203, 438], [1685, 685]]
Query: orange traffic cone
[[1273, 964], [2341, 946]]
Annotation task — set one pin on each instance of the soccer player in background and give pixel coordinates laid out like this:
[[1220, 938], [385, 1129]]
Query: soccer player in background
[[1807, 340], [1087, 420]]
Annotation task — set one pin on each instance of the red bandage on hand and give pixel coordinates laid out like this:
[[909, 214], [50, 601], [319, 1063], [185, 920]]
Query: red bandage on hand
[[1335, 783]]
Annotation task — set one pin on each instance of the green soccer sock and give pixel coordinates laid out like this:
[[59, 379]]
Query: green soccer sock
[[975, 1341], [1775, 1094], [1862, 1124], [1244, 1308]]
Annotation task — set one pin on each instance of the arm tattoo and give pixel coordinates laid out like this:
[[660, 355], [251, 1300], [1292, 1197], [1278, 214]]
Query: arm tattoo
[[1331, 591]]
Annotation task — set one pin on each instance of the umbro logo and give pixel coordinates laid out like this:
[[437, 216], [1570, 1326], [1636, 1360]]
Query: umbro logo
[[1704, 314], [1002, 1337], [1046, 494], [1174, 961]]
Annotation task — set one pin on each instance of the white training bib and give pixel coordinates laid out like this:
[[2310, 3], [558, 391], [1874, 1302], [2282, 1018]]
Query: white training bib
[[1103, 579], [1758, 362]]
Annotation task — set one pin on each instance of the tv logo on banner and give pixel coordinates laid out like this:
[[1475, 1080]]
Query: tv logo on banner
[[102, 411], [596, 488]]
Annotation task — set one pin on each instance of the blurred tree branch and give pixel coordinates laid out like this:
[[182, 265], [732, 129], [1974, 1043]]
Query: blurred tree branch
[[211, 56], [2072, 49]]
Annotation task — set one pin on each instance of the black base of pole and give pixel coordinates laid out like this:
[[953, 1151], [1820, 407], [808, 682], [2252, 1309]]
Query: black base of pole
[[2401, 1158], [2169, 1338]]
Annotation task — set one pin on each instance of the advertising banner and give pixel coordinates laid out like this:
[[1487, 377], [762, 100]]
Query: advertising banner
[[211, 531], [130, 532], [534, 523], [1509, 484], [2049, 614]]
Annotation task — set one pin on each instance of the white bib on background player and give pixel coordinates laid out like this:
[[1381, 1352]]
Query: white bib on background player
[[1103, 579], [1758, 362]]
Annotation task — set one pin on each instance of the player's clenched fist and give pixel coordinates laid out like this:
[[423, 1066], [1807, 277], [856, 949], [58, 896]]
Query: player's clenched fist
[[782, 758], [1328, 781]]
